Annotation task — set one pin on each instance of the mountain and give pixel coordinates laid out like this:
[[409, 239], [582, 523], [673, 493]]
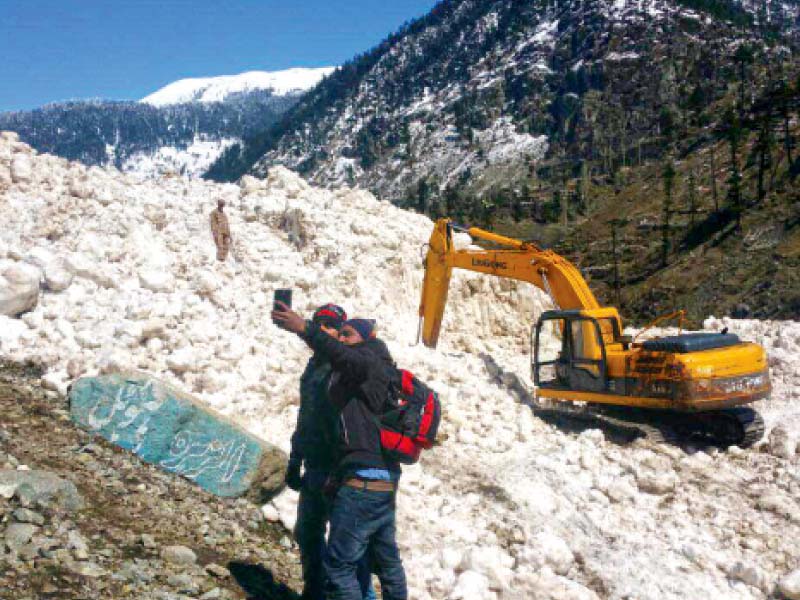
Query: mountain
[[219, 89], [652, 142], [181, 128], [483, 95]]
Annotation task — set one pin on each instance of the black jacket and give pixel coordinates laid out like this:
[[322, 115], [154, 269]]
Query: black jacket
[[315, 438], [360, 390]]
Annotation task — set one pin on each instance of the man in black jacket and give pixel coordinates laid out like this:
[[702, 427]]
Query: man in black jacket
[[362, 518], [314, 444]]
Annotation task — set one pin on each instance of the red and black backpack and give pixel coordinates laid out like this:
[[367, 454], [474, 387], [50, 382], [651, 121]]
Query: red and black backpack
[[412, 420]]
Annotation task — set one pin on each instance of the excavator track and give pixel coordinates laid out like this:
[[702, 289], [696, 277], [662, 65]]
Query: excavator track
[[741, 426], [564, 414]]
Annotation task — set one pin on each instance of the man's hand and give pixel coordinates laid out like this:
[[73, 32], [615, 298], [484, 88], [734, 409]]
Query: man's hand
[[285, 318], [293, 478]]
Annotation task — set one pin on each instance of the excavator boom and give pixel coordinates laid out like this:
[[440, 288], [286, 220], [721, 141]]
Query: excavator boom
[[515, 259]]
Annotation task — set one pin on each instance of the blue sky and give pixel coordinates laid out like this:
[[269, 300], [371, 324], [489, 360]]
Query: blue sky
[[53, 50]]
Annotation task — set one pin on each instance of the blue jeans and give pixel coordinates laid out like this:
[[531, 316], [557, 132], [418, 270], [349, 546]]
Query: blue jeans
[[363, 523], [309, 531]]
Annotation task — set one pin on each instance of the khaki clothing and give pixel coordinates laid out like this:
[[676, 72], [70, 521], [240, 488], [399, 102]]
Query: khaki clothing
[[221, 231]]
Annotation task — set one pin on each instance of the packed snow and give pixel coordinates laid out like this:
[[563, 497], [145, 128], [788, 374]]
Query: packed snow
[[100, 271], [217, 89]]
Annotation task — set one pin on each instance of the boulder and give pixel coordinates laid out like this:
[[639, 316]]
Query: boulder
[[41, 487], [179, 433], [19, 534], [19, 288], [179, 555]]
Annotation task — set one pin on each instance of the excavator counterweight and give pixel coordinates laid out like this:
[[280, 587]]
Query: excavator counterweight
[[701, 382]]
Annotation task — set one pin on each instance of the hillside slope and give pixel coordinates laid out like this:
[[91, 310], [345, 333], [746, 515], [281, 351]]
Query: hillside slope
[[473, 97], [116, 545]]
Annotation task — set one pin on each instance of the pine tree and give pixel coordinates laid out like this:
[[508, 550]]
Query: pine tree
[[423, 193], [668, 175], [691, 195], [734, 134], [763, 149]]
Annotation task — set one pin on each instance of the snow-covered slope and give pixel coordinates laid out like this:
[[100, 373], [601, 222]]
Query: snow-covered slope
[[217, 89], [191, 161], [507, 507], [478, 95]]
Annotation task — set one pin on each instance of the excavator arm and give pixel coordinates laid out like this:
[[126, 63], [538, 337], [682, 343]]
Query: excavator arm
[[524, 261]]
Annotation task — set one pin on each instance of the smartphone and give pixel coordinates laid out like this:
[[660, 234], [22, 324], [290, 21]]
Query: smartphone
[[281, 295]]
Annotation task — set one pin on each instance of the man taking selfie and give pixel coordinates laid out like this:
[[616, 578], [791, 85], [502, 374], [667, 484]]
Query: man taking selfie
[[362, 516], [314, 444]]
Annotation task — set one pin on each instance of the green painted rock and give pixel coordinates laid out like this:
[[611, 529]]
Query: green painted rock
[[179, 433]]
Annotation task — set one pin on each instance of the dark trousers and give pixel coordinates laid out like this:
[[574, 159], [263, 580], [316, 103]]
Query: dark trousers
[[363, 522], [309, 531]]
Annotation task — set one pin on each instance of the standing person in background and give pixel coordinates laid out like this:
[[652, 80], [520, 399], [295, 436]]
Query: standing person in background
[[220, 230], [363, 512], [314, 444]]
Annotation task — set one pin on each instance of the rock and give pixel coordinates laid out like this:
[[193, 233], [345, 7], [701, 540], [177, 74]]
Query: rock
[[749, 574], [789, 585], [18, 534], [782, 442], [76, 543], [148, 541], [134, 573], [212, 594], [24, 515], [87, 569], [19, 289], [179, 555], [217, 571], [43, 488], [7, 491], [179, 433], [183, 582]]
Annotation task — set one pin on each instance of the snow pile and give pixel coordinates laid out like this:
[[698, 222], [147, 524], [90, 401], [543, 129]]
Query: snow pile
[[507, 507], [217, 89]]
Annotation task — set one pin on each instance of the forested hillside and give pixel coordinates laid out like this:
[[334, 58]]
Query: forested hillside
[[548, 119], [107, 132]]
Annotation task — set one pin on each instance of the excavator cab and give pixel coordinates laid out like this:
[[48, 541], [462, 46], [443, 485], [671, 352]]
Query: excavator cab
[[569, 349]]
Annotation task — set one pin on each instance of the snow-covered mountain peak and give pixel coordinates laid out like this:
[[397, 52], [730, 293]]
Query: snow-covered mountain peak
[[217, 89]]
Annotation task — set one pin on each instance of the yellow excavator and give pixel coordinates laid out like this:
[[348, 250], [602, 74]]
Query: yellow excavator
[[696, 384]]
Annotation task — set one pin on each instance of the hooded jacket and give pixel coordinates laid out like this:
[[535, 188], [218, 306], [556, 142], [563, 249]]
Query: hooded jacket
[[360, 391]]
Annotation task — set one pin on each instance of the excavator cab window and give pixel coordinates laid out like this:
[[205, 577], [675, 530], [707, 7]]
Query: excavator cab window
[[577, 361]]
